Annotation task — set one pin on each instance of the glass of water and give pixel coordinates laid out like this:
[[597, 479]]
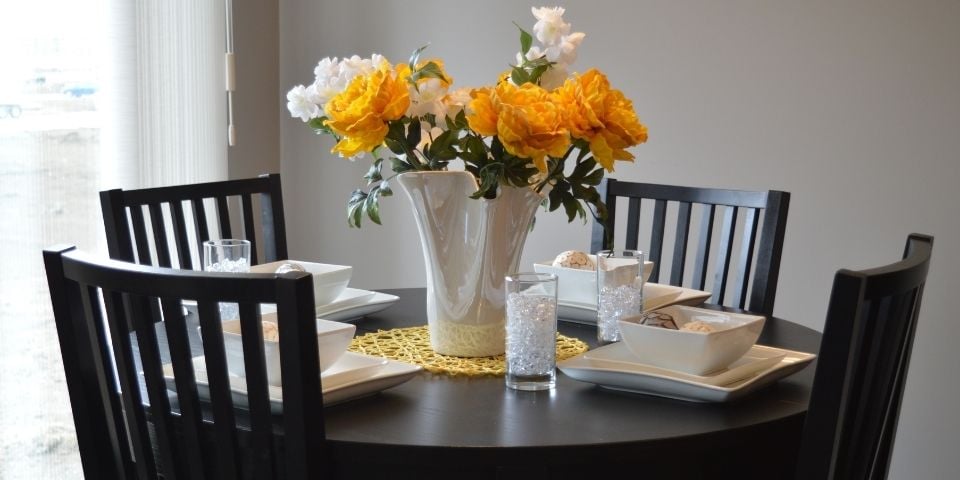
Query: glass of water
[[619, 290], [227, 255], [531, 350]]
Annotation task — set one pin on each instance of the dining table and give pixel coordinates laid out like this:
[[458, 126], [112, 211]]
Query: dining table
[[439, 425]]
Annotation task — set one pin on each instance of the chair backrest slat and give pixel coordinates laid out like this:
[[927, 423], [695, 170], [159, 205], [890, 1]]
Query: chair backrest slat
[[633, 224], [171, 436], [140, 234], [186, 383], [680, 242], [142, 309], [722, 262], [756, 261], [202, 231], [249, 227], [223, 217], [257, 390], [180, 235], [268, 239], [218, 378], [137, 432], [159, 235], [702, 261], [748, 242], [301, 437], [862, 367], [656, 237]]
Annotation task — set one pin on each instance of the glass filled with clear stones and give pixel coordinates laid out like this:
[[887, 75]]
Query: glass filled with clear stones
[[531, 350]]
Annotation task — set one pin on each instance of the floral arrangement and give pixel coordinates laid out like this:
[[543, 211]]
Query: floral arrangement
[[537, 120]]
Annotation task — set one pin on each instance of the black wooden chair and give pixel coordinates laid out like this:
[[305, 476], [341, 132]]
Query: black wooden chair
[[137, 221], [756, 265], [862, 368], [105, 325]]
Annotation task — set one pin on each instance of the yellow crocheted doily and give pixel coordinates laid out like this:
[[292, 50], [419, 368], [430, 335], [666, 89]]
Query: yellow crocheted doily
[[412, 345]]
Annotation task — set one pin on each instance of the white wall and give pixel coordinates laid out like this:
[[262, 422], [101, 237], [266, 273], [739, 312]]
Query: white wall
[[853, 107]]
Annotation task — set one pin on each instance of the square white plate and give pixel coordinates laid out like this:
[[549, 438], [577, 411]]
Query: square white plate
[[351, 304], [354, 375], [613, 366], [656, 295]]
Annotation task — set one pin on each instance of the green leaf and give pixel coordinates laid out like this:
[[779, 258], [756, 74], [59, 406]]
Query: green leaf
[[355, 207], [373, 174], [526, 40], [385, 190], [461, 121], [372, 206], [556, 199], [414, 133], [594, 178], [415, 56], [537, 72], [582, 169], [519, 76], [571, 206], [399, 166], [442, 143], [430, 70], [395, 146]]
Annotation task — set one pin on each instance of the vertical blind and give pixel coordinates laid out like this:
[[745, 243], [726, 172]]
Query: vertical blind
[[168, 98]]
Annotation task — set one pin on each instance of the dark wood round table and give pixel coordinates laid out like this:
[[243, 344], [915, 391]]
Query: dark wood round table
[[459, 427]]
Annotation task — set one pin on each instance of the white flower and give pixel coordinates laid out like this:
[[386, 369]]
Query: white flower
[[301, 103], [333, 76], [550, 27], [554, 77], [453, 103], [427, 97]]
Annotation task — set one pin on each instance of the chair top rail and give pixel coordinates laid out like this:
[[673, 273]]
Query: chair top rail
[[717, 196]]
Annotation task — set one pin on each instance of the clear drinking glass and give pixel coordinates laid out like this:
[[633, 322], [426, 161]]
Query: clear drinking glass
[[227, 255], [531, 350], [619, 290]]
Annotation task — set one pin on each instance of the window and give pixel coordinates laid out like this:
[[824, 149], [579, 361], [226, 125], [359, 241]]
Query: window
[[97, 95]]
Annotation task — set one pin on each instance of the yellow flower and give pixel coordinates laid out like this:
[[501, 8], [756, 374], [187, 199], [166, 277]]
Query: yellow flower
[[602, 116], [481, 112], [527, 121], [360, 113]]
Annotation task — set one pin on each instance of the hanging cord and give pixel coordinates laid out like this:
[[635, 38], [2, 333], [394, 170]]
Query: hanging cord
[[230, 75]]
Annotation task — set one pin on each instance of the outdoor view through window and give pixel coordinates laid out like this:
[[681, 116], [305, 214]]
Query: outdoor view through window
[[50, 116]]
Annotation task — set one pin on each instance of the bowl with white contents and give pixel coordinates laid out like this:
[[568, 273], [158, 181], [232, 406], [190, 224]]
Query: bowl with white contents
[[690, 339], [329, 280], [333, 338], [576, 273]]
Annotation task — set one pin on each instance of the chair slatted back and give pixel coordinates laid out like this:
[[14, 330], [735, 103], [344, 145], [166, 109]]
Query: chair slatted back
[[862, 368], [732, 251], [132, 422], [141, 223]]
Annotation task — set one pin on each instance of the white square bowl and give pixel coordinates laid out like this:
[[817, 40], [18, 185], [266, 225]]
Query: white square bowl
[[329, 281], [333, 338], [693, 352], [579, 286]]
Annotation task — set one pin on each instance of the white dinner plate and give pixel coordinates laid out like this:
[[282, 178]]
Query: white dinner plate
[[613, 366], [656, 295], [351, 304], [354, 375]]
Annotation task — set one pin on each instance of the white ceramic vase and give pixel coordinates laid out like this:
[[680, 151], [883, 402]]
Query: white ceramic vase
[[469, 246]]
